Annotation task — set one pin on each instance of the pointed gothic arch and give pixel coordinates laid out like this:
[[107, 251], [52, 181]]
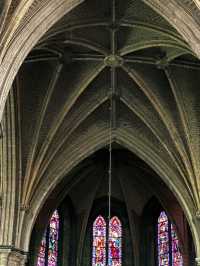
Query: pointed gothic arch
[[140, 149], [132, 145]]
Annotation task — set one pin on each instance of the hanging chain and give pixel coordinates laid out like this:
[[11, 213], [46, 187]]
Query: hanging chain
[[110, 156], [110, 167], [112, 91], [111, 119]]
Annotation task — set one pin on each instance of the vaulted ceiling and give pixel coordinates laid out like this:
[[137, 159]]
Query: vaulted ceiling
[[103, 50]]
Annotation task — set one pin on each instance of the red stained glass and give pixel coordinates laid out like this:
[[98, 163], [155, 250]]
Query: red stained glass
[[163, 240], [52, 239], [99, 242], [177, 259], [168, 244], [41, 255], [115, 234]]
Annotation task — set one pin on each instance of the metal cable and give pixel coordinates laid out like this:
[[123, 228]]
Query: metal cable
[[110, 168]]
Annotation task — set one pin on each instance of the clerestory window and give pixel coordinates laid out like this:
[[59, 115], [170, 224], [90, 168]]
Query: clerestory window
[[48, 252], [107, 242], [167, 243]]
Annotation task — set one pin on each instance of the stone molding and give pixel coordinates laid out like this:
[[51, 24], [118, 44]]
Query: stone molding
[[12, 257], [197, 3]]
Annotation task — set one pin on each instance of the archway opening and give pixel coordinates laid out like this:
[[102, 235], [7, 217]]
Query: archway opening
[[139, 196]]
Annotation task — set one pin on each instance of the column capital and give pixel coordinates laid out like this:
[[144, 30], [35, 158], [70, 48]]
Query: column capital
[[197, 261], [12, 257]]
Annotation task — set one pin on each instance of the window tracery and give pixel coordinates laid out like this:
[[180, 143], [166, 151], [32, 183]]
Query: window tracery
[[101, 250]]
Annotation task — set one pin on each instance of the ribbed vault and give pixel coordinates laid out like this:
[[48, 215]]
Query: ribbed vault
[[80, 59], [63, 90], [23, 23]]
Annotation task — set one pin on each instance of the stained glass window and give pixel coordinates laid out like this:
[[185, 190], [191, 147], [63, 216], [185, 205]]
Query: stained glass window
[[177, 259], [53, 239], [163, 240], [42, 251], [168, 245], [107, 247], [48, 251], [99, 242], [115, 234]]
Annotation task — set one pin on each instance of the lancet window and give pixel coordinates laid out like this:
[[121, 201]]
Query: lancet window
[[168, 248], [107, 242], [48, 252]]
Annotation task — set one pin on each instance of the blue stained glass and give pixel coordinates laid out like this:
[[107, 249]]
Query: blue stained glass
[[168, 245], [115, 233]]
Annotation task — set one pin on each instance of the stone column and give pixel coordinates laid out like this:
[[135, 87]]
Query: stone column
[[9, 257]]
